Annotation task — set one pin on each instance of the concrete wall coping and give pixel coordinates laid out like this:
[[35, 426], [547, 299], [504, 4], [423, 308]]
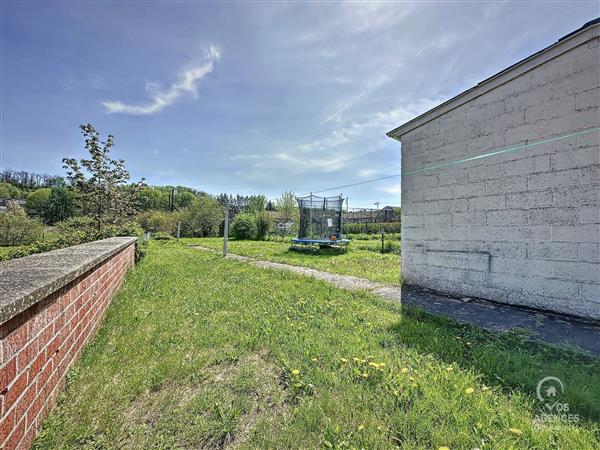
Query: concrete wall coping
[[27, 280], [565, 44]]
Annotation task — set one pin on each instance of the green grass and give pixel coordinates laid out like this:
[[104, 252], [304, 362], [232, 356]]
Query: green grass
[[7, 250], [201, 352], [355, 261]]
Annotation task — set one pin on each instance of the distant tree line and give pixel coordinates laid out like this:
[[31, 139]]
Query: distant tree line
[[30, 180]]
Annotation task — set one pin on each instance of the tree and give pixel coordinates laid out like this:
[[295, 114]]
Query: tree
[[257, 203], [37, 201], [202, 218], [153, 198], [60, 205], [103, 196], [184, 199], [287, 209]]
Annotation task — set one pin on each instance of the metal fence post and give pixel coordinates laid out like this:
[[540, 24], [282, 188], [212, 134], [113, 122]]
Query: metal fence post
[[226, 229]]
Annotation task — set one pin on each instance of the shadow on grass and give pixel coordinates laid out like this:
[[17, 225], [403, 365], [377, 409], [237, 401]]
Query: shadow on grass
[[506, 360]]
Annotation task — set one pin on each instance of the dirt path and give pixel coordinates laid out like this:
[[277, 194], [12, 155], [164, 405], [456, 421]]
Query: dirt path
[[546, 327]]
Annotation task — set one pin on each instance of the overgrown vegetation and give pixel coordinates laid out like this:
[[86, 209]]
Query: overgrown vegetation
[[225, 354], [18, 229]]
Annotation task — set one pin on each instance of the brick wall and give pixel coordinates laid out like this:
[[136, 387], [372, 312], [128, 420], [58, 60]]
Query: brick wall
[[39, 344], [521, 227]]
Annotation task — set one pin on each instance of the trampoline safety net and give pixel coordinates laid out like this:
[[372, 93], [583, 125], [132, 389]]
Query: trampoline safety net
[[320, 217]]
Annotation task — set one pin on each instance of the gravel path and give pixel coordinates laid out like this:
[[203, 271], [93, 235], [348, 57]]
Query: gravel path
[[546, 327]]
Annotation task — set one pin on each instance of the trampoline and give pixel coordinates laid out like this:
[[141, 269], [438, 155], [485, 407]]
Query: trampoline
[[320, 221]]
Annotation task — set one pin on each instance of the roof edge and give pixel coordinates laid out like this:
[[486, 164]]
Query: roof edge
[[590, 30]]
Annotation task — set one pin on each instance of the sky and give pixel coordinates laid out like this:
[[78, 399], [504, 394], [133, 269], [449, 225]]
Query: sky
[[251, 97]]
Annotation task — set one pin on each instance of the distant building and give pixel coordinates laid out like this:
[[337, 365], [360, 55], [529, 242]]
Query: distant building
[[521, 226]]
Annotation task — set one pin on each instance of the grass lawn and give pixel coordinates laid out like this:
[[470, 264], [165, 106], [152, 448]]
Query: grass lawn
[[362, 263], [201, 352]]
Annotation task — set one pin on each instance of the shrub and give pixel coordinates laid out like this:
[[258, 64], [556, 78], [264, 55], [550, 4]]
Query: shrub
[[244, 226], [263, 224], [18, 229], [76, 230], [162, 236], [156, 221], [371, 228]]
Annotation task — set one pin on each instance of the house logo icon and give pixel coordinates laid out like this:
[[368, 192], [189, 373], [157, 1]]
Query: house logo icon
[[549, 391]]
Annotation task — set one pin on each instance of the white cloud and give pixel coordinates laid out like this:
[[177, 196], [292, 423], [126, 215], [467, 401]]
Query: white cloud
[[365, 173], [159, 99], [392, 188]]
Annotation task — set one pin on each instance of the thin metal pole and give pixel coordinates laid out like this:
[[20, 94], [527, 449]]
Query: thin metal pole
[[178, 229], [226, 229]]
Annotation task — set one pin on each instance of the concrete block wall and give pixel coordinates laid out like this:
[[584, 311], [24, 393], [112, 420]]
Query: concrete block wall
[[521, 227], [39, 344]]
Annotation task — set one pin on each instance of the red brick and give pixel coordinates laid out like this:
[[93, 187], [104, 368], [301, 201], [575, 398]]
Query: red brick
[[7, 374], [25, 401], [15, 390], [15, 341], [16, 436], [36, 408], [37, 364], [27, 355], [44, 375], [27, 439], [7, 424]]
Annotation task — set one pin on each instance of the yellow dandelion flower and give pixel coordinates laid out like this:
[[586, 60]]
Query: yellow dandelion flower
[[469, 390], [444, 448], [380, 428], [449, 368], [314, 360], [365, 375], [381, 364], [295, 372], [404, 369], [361, 427], [515, 431]]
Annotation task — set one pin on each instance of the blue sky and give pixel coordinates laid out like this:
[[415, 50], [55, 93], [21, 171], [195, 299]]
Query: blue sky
[[255, 97]]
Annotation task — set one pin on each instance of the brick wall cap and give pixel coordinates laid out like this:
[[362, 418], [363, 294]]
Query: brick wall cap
[[27, 280]]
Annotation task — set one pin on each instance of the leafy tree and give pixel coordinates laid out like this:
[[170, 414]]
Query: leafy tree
[[202, 218], [287, 209], [7, 190], [153, 198], [184, 199], [102, 196], [18, 229], [257, 203], [244, 226], [60, 205], [158, 221], [37, 201]]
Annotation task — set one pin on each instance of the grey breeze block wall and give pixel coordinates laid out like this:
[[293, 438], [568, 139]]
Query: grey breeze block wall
[[522, 227]]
